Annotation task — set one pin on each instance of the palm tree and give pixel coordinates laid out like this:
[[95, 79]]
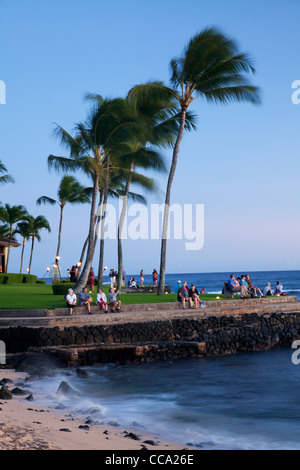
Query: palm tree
[[70, 191], [92, 148], [11, 215], [35, 224], [210, 67], [6, 178], [23, 228]]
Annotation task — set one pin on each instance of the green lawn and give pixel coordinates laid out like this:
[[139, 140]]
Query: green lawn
[[21, 296]]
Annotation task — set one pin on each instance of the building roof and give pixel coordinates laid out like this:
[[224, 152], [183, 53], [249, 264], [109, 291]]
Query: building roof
[[4, 241]]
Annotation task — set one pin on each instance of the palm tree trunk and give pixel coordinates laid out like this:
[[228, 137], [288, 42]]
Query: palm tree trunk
[[120, 229], [162, 272], [31, 252], [21, 264], [105, 197], [82, 254], [81, 282], [8, 249], [59, 230]]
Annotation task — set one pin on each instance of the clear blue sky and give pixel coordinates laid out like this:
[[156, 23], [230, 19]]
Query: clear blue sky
[[242, 163]]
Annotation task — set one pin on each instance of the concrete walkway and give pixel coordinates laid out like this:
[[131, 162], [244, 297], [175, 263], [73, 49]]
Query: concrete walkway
[[146, 312]]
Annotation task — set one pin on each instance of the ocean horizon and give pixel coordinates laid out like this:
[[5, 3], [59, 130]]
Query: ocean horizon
[[214, 282]]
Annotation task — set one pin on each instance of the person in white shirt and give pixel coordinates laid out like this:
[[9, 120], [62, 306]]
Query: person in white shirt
[[71, 300], [268, 289], [101, 300]]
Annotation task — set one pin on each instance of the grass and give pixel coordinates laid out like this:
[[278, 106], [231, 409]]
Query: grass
[[21, 296]]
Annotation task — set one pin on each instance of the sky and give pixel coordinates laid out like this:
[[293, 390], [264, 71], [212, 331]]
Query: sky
[[242, 163]]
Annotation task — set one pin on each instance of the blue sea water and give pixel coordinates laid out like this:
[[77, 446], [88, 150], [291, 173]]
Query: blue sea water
[[240, 401], [243, 401], [213, 282]]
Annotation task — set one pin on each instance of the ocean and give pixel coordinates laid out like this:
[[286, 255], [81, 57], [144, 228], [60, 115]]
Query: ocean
[[213, 282], [242, 401]]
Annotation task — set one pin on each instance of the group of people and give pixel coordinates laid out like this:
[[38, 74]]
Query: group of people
[[245, 286], [188, 296], [84, 299]]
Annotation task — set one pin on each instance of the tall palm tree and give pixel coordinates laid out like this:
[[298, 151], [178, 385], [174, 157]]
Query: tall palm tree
[[70, 191], [99, 138], [23, 228], [11, 215], [35, 225], [210, 67], [6, 178]]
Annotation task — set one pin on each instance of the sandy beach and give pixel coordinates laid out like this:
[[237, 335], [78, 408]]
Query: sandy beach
[[24, 425]]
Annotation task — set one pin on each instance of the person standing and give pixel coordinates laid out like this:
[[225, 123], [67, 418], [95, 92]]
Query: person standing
[[142, 277], [154, 277], [91, 280]]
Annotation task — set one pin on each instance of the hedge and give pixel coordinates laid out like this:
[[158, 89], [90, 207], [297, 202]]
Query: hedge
[[62, 289], [29, 279], [14, 278]]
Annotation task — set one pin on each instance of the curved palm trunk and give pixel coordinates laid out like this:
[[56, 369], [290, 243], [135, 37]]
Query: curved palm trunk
[[105, 197], [81, 282], [8, 249], [31, 252], [22, 254], [120, 229], [59, 230], [162, 272], [82, 254]]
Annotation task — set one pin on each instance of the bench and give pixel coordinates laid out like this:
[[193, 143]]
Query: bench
[[227, 292]]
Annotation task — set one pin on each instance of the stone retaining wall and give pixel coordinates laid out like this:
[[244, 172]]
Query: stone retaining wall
[[186, 337]]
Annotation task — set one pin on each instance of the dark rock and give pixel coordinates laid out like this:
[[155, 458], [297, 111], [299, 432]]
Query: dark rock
[[152, 443], [5, 394], [18, 391], [66, 389], [65, 430], [82, 373], [30, 397], [133, 436]]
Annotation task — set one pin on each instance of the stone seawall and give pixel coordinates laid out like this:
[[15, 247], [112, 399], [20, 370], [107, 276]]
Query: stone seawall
[[152, 340]]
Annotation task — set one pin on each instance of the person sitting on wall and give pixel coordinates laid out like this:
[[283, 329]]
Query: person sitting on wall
[[71, 300], [253, 289], [112, 300], [194, 295], [85, 299], [101, 300], [233, 286], [268, 289], [183, 295], [279, 289]]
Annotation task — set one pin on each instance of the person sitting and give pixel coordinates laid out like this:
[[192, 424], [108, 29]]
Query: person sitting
[[112, 300], [233, 286], [268, 289], [253, 289], [85, 299], [279, 289], [133, 283], [182, 295], [71, 300], [177, 287], [203, 290], [194, 295], [101, 300]]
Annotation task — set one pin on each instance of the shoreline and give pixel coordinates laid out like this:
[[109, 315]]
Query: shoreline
[[27, 425]]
